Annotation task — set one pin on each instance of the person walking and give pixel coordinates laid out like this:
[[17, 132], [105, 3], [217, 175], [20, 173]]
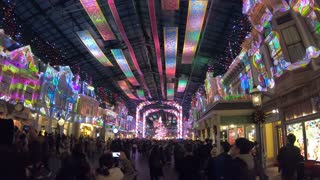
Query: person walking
[[289, 158]]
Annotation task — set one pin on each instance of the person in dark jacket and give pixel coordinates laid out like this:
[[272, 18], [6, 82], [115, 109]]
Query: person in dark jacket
[[190, 165], [241, 167], [156, 162], [12, 163], [217, 165], [289, 158]]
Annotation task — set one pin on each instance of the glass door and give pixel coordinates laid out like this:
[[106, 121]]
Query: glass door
[[297, 130]]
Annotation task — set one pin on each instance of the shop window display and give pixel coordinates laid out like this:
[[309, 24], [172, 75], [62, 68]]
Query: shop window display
[[297, 130], [232, 132], [313, 139]]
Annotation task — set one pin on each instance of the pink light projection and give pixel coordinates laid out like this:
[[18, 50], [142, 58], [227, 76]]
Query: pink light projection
[[196, 13], [144, 104], [154, 28], [125, 88], [93, 47], [170, 4], [170, 50], [122, 62], [94, 12], [117, 19]]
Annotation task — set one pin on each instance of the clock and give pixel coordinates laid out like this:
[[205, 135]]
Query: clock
[[19, 107]]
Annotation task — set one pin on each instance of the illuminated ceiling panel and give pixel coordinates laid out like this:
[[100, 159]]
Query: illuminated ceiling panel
[[170, 4], [196, 13], [125, 88], [124, 36], [94, 12], [140, 93], [154, 28], [170, 91], [122, 62], [170, 50], [182, 84], [93, 47]]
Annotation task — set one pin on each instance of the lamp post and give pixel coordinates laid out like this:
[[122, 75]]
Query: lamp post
[[256, 97]]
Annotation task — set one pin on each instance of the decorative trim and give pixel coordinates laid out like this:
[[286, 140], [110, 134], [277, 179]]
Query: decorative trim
[[154, 28], [123, 63], [117, 19], [94, 12], [93, 47]]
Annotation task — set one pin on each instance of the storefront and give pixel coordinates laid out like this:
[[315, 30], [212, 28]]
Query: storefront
[[308, 137], [302, 120], [233, 127]]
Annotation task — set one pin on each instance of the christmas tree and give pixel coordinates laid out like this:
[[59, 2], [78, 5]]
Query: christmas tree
[[161, 130]]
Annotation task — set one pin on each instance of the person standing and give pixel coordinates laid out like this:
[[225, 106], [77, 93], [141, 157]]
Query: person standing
[[289, 158], [242, 163], [156, 163]]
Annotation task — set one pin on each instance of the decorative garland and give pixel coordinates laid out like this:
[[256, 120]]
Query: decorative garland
[[258, 117]]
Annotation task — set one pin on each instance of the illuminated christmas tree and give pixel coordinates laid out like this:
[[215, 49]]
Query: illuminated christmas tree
[[161, 130]]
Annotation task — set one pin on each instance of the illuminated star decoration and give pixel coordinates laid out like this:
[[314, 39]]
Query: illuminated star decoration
[[93, 47], [94, 12], [122, 62], [196, 13]]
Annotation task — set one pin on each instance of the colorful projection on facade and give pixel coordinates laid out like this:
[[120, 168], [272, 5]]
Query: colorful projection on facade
[[246, 78], [170, 4], [125, 88], [122, 62], [196, 13], [94, 12], [170, 91], [19, 77], [170, 50], [93, 47], [154, 28], [263, 77]]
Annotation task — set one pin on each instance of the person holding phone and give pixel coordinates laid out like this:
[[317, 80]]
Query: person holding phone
[[108, 169], [127, 167]]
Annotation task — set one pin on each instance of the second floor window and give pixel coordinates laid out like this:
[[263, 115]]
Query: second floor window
[[294, 43]]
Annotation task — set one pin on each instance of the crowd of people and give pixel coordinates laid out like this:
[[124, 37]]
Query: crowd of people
[[25, 156]]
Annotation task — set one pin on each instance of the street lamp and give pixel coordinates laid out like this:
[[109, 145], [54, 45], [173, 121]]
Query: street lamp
[[61, 122], [256, 95]]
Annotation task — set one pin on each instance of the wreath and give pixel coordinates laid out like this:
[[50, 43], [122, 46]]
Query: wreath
[[258, 117]]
